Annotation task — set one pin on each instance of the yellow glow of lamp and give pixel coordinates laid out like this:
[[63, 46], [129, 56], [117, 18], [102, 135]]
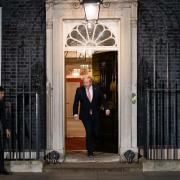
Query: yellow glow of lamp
[[91, 9]]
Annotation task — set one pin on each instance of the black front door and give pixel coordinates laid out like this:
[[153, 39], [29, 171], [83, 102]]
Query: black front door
[[105, 74]]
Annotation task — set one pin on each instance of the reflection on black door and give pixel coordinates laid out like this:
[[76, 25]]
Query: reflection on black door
[[105, 74]]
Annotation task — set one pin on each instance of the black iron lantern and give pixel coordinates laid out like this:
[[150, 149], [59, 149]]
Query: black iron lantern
[[91, 9]]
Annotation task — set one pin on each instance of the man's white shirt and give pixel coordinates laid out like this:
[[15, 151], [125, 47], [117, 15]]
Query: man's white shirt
[[90, 91]]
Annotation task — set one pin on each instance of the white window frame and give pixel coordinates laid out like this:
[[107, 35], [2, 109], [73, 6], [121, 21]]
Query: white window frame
[[69, 24], [91, 39]]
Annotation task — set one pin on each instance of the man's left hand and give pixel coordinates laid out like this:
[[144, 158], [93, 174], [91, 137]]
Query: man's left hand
[[8, 133], [107, 112]]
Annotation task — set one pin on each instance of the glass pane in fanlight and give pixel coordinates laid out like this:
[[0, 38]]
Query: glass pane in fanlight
[[90, 29], [108, 42], [91, 11], [104, 35], [71, 42], [77, 36], [98, 30], [82, 30]]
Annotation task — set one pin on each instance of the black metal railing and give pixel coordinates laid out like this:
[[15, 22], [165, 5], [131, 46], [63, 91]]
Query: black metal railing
[[24, 113], [162, 123]]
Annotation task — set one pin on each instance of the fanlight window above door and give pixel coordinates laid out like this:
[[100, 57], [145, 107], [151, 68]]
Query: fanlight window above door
[[90, 35]]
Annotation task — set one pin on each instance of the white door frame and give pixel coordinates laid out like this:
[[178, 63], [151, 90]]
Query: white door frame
[[98, 48], [64, 94]]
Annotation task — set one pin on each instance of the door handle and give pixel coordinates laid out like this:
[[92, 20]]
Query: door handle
[[134, 98]]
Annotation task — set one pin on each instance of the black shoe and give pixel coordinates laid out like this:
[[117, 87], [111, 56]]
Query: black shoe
[[90, 155], [4, 172]]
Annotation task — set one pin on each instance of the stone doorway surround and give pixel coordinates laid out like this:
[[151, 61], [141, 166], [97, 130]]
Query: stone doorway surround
[[56, 12]]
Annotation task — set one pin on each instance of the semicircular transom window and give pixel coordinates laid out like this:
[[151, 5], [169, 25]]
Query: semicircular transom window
[[90, 35]]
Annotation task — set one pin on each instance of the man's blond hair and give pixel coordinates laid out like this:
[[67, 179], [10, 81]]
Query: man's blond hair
[[88, 77]]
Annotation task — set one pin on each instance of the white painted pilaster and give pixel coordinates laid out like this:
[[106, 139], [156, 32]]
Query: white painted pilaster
[[49, 74], [134, 73], [128, 80]]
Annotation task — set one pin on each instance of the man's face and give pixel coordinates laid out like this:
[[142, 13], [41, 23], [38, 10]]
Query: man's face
[[87, 83], [2, 94]]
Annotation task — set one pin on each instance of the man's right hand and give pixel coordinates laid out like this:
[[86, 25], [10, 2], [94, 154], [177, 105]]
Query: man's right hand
[[8, 133], [76, 117]]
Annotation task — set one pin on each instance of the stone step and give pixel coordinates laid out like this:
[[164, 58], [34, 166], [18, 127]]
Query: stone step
[[117, 167]]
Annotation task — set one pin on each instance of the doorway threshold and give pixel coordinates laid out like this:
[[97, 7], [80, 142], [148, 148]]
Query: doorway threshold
[[81, 156]]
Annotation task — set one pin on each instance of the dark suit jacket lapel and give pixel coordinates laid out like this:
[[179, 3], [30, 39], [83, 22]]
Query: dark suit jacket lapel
[[94, 92]]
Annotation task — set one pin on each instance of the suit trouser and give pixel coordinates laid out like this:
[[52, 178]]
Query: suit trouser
[[1, 151], [92, 128]]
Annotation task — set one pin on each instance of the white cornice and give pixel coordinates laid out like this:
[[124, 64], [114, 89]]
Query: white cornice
[[76, 1]]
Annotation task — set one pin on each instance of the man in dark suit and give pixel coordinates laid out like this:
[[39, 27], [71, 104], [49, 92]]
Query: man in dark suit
[[4, 127], [91, 99]]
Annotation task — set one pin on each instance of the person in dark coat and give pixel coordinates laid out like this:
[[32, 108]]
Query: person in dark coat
[[91, 99], [4, 129]]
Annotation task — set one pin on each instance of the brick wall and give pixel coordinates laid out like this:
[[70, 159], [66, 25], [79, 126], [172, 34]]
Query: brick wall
[[23, 52], [23, 61], [159, 57]]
